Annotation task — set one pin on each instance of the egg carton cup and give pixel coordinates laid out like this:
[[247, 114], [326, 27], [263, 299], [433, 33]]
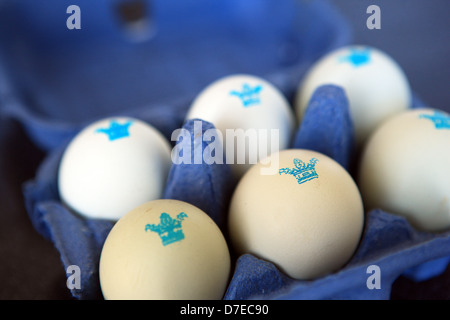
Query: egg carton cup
[[55, 81], [388, 242], [190, 44]]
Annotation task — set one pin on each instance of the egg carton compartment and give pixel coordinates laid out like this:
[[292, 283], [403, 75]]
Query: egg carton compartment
[[388, 241], [55, 81]]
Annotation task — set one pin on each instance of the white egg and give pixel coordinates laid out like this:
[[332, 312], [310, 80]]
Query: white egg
[[164, 250], [112, 166], [307, 218], [252, 115], [374, 83], [405, 168]]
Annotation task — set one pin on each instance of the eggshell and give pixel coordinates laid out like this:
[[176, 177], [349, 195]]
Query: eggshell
[[164, 249], [225, 104], [307, 222], [112, 166], [405, 168], [374, 83]]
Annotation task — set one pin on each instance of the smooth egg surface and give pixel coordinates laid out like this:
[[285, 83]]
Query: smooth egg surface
[[374, 83], [164, 250], [405, 168], [253, 116], [306, 217]]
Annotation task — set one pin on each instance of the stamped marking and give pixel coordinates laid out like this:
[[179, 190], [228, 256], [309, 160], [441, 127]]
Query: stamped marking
[[169, 230], [249, 95], [116, 130], [439, 119], [302, 172], [356, 57]]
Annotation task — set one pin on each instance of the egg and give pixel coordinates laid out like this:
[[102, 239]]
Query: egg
[[164, 250], [306, 218], [112, 166], [374, 83], [405, 168], [252, 115]]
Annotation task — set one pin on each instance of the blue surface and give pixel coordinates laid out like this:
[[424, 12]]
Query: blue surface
[[54, 82], [388, 241], [415, 34], [327, 126]]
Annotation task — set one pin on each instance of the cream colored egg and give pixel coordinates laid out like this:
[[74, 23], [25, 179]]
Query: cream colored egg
[[374, 83], [112, 166], [307, 218], [252, 115], [164, 250], [405, 168]]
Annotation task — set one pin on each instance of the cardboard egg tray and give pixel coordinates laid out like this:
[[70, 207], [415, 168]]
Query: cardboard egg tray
[[54, 81]]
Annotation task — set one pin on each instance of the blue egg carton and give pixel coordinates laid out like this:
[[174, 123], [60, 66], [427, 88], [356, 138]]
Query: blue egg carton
[[55, 80]]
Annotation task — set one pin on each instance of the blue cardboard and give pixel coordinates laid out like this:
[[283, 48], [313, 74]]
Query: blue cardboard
[[388, 241], [54, 81], [205, 184], [327, 125]]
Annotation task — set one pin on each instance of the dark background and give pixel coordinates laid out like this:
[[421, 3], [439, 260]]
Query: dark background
[[414, 32]]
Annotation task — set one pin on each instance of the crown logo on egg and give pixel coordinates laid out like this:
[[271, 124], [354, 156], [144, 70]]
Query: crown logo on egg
[[357, 57], [440, 120], [302, 172], [116, 130], [249, 95], [169, 230]]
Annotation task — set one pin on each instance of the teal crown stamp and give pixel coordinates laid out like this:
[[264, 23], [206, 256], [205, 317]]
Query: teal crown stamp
[[249, 95], [169, 230], [357, 57], [116, 130], [302, 172], [439, 119]]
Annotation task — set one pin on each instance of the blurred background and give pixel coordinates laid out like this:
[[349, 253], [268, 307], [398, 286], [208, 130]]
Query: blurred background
[[416, 33]]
